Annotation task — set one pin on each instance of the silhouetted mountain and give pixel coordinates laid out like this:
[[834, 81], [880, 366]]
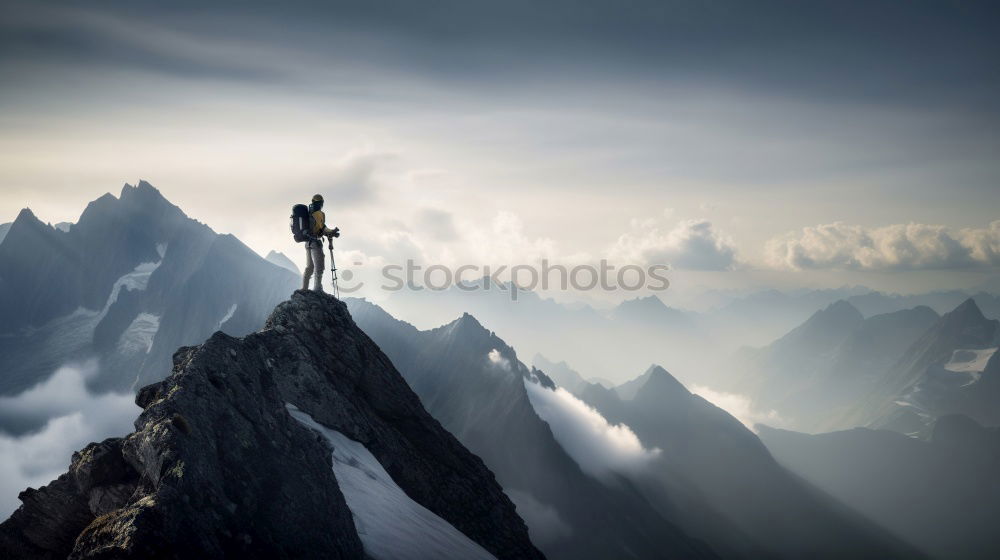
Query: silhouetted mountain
[[756, 318], [298, 441], [714, 479], [642, 330], [645, 330], [942, 372], [280, 259], [652, 312], [782, 367], [473, 383], [877, 342], [710, 456], [4, 228], [628, 390], [989, 304], [816, 373], [942, 495], [131, 281], [563, 375], [876, 303]]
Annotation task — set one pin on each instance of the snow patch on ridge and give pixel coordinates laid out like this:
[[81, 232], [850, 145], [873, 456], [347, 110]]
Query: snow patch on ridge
[[138, 279], [970, 362], [391, 525], [226, 317], [138, 337]]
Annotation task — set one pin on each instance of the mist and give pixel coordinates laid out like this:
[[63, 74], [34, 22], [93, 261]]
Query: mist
[[740, 407], [599, 447], [544, 523], [73, 417]]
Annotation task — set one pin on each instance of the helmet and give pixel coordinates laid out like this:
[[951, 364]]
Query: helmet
[[317, 198]]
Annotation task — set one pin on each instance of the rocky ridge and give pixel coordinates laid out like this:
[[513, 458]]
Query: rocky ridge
[[217, 466]]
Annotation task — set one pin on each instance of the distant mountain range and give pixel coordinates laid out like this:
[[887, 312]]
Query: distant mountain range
[[813, 374], [717, 471], [645, 330], [940, 494], [715, 480], [640, 330], [472, 382], [951, 368], [129, 283], [899, 370], [280, 259]]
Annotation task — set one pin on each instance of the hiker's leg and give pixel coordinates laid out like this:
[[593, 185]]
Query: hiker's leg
[[309, 267], [318, 259]]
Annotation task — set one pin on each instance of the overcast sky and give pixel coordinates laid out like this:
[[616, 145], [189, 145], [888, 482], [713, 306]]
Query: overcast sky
[[745, 143]]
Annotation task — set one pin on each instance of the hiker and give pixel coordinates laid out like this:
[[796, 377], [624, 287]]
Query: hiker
[[315, 260]]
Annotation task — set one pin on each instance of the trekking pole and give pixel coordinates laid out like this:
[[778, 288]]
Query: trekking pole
[[333, 269]]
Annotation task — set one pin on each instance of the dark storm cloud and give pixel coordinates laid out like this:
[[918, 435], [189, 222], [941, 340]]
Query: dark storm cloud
[[919, 52]]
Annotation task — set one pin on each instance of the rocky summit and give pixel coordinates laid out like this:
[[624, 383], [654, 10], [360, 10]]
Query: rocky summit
[[219, 467]]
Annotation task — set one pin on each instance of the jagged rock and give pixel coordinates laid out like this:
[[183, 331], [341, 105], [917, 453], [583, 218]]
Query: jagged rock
[[98, 481], [218, 468]]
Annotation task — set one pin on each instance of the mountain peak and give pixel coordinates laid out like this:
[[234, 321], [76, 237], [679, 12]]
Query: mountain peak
[[26, 215], [28, 224], [143, 192], [646, 301], [967, 311], [282, 260], [650, 309], [466, 324], [660, 383], [197, 476], [841, 308], [824, 330], [142, 186]]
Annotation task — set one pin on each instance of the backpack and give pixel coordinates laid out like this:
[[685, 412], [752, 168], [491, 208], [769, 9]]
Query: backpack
[[302, 223]]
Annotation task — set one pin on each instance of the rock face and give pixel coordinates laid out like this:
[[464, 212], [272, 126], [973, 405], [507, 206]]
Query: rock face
[[218, 467], [130, 282]]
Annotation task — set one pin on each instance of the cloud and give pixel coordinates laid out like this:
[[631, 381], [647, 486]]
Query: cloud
[[506, 241], [77, 418], [599, 447], [100, 35], [691, 244], [893, 247], [437, 224], [355, 179], [739, 406], [497, 360]]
